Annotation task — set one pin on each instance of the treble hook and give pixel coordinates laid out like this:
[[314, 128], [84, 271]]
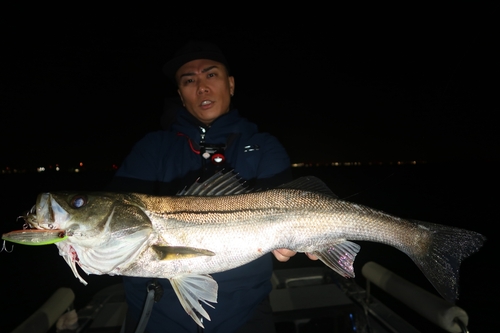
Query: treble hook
[[4, 248]]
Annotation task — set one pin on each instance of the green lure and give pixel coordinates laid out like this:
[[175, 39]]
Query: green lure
[[35, 236]]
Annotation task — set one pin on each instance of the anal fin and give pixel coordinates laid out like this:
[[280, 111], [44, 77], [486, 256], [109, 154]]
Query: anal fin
[[340, 257]]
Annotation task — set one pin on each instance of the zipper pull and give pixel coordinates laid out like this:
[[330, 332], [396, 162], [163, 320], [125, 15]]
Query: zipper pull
[[202, 134]]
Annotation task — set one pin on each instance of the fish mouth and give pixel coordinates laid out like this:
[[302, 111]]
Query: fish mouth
[[30, 218], [46, 214]]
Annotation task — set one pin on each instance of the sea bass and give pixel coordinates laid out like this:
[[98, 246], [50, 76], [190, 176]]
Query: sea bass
[[218, 225]]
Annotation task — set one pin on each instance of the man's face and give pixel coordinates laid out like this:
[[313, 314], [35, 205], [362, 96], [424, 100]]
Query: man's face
[[205, 89]]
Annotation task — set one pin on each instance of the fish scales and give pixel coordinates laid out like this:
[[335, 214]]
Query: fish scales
[[220, 226], [310, 221]]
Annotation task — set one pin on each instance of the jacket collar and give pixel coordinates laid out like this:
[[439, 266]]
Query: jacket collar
[[226, 124]]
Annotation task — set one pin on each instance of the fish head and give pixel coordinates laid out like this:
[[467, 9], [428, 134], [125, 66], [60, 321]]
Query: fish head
[[102, 231], [84, 215]]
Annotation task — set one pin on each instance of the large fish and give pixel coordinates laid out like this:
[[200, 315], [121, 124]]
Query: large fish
[[219, 225]]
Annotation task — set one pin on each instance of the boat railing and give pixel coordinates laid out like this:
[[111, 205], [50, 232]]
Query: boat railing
[[435, 309], [49, 313]]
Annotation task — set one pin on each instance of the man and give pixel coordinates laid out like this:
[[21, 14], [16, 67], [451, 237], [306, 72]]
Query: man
[[206, 136]]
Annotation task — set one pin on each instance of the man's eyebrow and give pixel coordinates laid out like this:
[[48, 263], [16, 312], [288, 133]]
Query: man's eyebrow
[[186, 74], [203, 71], [208, 68]]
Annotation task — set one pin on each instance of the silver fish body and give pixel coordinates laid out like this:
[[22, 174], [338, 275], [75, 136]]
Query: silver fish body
[[219, 226], [241, 228]]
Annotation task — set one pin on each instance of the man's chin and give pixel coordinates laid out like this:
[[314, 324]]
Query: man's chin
[[208, 116]]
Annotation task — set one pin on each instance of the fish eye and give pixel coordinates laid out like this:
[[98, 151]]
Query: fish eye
[[78, 201]]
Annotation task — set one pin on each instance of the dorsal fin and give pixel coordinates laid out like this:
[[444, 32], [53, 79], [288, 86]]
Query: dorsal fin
[[309, 183], [222, 183], [227, 183]]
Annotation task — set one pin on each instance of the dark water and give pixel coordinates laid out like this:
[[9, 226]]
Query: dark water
[[458, 195]]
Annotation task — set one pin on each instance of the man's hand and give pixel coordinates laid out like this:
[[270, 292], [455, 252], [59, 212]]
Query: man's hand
[[284, 255]]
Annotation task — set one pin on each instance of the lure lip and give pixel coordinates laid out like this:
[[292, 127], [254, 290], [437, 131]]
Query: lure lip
[[35, 236]]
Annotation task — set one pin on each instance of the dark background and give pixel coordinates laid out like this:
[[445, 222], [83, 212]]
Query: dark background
[[346, 83]]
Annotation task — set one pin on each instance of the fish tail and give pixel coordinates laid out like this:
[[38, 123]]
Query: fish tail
[[447, 248]]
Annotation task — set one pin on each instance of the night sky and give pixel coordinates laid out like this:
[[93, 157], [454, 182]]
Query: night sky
[[346, 84]]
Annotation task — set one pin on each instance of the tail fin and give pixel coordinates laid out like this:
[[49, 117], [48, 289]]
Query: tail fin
[[441, 264]]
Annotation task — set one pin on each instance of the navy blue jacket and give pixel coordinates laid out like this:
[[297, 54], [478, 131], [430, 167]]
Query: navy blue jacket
[[163, 163]]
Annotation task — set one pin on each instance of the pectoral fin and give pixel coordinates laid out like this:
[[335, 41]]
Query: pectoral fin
[[191, 289], [340, 257], [180, 252]]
